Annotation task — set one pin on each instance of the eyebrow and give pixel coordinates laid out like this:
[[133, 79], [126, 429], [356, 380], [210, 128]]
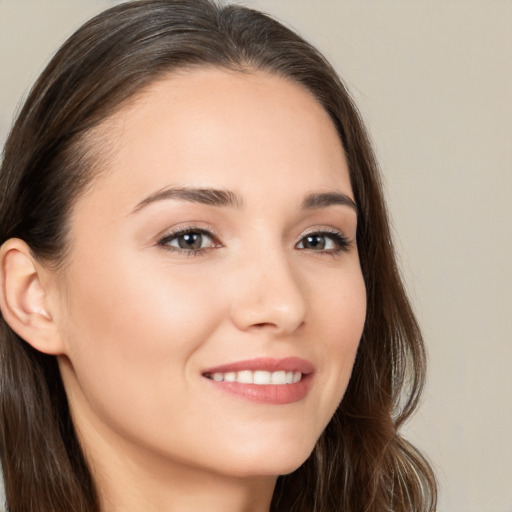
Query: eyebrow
[[207, 196], [218, 197], [323, 200]]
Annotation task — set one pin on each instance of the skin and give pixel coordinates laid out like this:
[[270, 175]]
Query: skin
[[139, 322]]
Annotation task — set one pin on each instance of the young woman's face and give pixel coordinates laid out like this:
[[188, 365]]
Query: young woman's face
[[212, 302]]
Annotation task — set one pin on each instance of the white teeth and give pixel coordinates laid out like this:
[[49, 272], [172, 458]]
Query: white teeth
[[278, 377], [261, 377], [230, 377], [258, 377], [245, 377]]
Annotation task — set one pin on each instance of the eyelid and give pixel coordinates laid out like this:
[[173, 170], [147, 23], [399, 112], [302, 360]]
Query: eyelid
[[343, 241], [172, 233], [186, 227], [323, 230]]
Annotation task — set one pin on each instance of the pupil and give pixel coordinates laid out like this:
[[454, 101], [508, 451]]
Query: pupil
[[190, 241], [315, 241]]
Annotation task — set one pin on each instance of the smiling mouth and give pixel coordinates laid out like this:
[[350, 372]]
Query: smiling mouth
[[264, 380], [258, 377]]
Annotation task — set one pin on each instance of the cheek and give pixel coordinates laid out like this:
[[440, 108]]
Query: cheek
[[132, 334], [136, 311], [341, 313], [346, 312], [340, 305]]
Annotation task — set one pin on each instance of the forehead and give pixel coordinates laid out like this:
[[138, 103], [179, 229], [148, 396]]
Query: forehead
[[221, 128]]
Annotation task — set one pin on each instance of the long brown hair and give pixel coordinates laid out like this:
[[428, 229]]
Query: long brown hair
[[361, 463]]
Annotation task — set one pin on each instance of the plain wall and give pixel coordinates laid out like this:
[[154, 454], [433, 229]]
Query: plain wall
[[433, 80]]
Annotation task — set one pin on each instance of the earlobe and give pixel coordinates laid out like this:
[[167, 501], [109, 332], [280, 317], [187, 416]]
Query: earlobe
[[23, 298]]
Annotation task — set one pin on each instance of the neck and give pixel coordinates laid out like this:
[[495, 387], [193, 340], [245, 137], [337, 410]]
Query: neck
[[130, 480], [182, 490]]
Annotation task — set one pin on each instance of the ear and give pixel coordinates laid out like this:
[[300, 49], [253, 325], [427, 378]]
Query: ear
[[24, 301]]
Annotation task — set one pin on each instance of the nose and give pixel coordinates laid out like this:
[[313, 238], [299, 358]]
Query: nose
[[268, 295]]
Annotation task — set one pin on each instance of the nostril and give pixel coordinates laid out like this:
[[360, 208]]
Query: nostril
[[272, 299]]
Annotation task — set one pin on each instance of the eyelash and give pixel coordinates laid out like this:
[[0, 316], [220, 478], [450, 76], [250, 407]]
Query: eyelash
[[341, 242], [164, 241]]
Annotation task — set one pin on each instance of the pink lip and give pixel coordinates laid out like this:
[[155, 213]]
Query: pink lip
[[288, 364], [279, 394]]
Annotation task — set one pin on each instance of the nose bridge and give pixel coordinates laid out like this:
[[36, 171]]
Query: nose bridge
[[270, 292]]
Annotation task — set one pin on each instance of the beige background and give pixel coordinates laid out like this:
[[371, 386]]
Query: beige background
[[433, 80]]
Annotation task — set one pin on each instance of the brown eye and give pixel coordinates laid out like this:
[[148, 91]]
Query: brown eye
[[191, 240], [324, 241], [316, 241]]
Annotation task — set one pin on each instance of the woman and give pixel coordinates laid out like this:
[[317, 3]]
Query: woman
[[200, 304]]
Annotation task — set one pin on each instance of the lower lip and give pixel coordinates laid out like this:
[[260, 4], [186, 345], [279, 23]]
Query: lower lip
[[275, 394]]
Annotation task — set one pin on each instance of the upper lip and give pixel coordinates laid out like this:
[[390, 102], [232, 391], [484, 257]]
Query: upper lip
[[269, 364]]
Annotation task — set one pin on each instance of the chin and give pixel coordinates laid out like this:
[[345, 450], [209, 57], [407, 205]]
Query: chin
[[276, 461]]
